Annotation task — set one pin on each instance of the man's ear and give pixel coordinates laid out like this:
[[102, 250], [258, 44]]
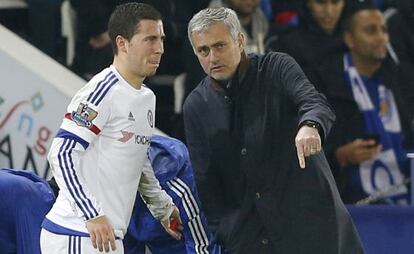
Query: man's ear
[[241, 40], [121, 43], [348, 39]]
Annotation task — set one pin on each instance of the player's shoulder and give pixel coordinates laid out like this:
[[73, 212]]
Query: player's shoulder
[[146, 90], [98, 88], [107, 75]]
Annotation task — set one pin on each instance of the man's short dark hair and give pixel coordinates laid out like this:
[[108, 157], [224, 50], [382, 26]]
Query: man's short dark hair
[[352, 8], [125, 20]]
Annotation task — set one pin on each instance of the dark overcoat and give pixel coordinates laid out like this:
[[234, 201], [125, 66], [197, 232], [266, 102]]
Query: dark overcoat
[[241, 138]]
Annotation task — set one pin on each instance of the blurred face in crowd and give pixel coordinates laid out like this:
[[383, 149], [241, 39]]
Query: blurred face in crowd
[[326, 13], [143, 52], [219, 54], [368, 36], [243, 7]]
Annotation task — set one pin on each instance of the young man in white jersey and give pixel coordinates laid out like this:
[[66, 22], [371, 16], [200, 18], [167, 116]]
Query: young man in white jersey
[[99, 156]]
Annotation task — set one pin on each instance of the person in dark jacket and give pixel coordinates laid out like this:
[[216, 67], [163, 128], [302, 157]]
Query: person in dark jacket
[[254, 127], [400, 23], [317, 36], [373, 99]]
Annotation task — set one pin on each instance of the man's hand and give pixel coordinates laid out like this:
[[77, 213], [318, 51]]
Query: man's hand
[[100, 40], [357, 151], [308, 142], [101, 233], [175, 215]]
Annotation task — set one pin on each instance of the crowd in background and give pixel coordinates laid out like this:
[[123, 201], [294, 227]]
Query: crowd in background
[[339, 44]]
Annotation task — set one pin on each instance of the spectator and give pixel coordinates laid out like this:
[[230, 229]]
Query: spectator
[[400, 23], [93, 50], [45, 26], [266, 7], [368, 91], [318, 35]]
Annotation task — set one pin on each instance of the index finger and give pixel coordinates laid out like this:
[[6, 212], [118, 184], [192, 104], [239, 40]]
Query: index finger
[[93, 239], [301, 156]]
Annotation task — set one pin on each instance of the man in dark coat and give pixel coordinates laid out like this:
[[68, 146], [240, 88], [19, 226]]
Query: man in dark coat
[[249, 126]]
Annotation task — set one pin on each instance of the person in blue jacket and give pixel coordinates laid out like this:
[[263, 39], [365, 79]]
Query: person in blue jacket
[[26, 198], [172, 167]]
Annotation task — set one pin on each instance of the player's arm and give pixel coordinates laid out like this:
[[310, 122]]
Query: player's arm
[[158, 201], [64, 157], [85, 117]]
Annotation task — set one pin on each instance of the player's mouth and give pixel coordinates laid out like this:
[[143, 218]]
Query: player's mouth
[[156, 63]]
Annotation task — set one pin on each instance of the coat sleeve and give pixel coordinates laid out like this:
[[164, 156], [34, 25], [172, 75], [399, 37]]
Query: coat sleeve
[[311, 104]]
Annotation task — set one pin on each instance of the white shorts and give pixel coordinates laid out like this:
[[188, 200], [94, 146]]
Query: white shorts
[[51, 243]]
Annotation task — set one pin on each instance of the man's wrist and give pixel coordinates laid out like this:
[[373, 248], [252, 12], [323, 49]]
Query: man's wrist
[[91, 219], [312, 124], [170, 210]]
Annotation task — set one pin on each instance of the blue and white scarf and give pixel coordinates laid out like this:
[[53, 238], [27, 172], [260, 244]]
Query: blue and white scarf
[[380, 117]]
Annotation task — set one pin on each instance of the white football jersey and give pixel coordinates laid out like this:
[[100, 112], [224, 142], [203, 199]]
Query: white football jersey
[[99, 157]]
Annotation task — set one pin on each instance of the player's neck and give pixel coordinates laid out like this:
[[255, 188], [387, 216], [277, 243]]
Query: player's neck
[[130, 77]]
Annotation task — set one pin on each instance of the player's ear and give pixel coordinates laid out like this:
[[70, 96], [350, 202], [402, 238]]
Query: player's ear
[[121, 43]]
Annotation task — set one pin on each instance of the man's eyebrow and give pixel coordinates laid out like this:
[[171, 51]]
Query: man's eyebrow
[[202, 47], [212, 45], [218, 43], [153, 36]]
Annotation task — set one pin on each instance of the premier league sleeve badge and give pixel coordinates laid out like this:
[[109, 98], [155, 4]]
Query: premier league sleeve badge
[[84, 115]]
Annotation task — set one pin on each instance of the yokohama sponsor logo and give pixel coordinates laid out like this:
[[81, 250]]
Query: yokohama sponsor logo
[[142, 140]]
